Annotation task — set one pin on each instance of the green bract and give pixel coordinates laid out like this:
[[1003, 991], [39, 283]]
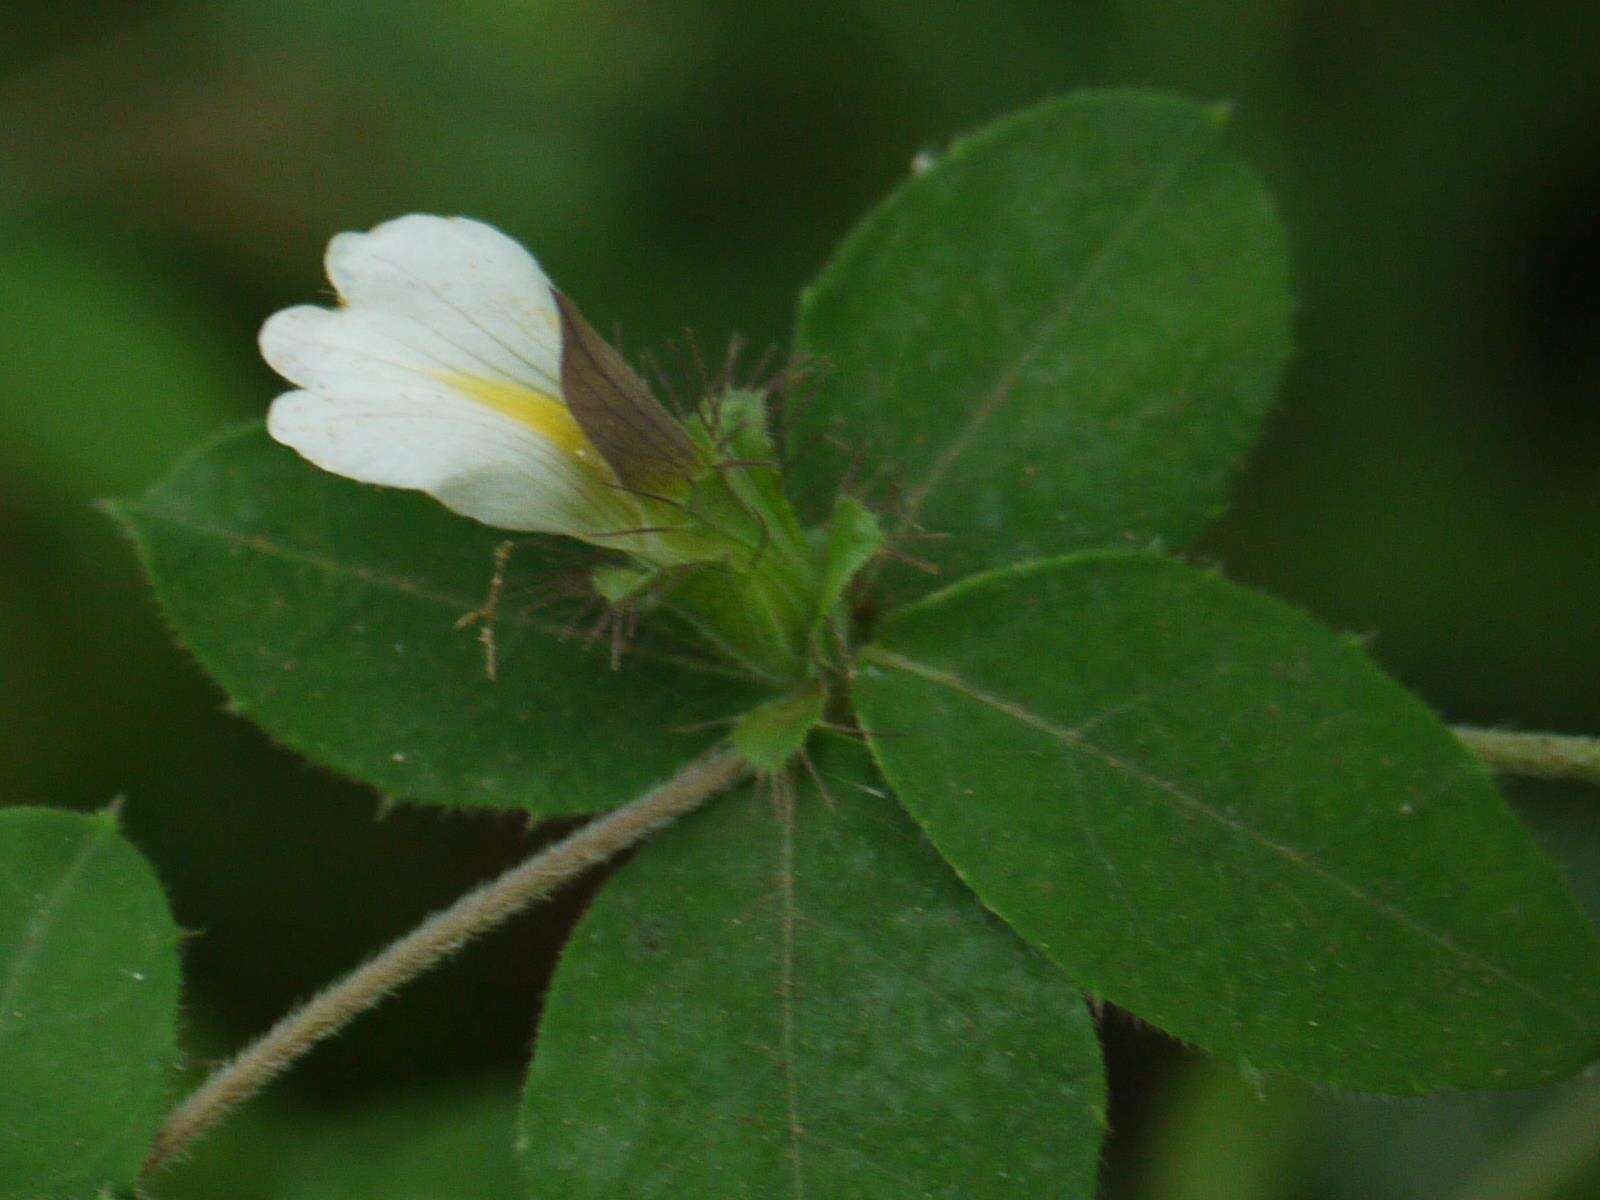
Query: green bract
[[1191, 800]]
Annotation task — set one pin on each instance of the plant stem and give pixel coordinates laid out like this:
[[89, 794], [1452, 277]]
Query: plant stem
[[1538, 755], [440, 936]]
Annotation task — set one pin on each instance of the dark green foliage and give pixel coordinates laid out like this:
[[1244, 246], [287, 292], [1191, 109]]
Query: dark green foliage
[[796, 998], [1214, 812], [327, 610], [1063, 334]]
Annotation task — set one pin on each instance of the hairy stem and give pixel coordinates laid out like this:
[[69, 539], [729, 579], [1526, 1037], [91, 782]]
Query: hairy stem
[[440, 936], [1538, 755]]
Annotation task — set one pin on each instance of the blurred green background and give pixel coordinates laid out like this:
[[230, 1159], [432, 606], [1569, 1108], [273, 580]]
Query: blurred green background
[[170, 172]]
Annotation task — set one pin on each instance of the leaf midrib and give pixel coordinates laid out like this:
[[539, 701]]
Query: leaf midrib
[[1009, 372], [791, 921], [44, 916]]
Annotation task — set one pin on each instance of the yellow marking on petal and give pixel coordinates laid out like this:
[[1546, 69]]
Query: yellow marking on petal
[[543, 414]]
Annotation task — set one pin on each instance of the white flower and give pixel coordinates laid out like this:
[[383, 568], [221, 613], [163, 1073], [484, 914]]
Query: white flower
[[441, 371]]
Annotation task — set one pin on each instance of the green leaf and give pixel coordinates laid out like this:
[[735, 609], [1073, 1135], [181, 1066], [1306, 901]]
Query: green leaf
[[1216, 813], [88, 1005], [327, 611], [1063, 334], [437, 1142], [796, 998]]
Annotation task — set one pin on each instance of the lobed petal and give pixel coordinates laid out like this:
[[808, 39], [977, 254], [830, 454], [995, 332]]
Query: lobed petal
[[442, 374], [332, 350], [473, 288], [475, 460]]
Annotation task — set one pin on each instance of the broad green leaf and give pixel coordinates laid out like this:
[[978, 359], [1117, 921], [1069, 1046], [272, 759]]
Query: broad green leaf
[[327, 611], [1063, 334], [88, 1005], [438, 1142], [1212, 811], [802, 1001]]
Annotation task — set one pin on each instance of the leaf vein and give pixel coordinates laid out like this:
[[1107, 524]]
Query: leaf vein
[[786, 988], [1006, 382], [38, 925]]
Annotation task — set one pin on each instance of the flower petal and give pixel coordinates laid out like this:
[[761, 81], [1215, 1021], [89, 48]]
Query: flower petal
[[474, 289], [329, 350], [442, 374], [355, 351], [472, 458]]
